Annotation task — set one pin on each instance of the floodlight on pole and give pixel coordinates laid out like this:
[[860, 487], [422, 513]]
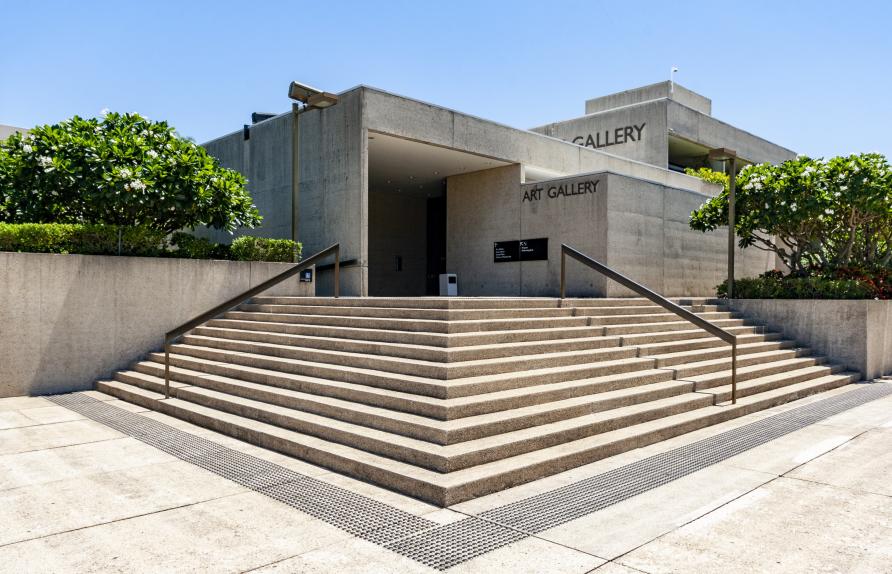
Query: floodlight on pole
[[312, 99], [729, 155]]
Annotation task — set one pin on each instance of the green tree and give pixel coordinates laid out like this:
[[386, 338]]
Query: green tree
[[119, 170], [814, 214]]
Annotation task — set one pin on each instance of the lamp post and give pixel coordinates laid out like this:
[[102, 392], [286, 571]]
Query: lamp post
[[306, 98], [729, 155]]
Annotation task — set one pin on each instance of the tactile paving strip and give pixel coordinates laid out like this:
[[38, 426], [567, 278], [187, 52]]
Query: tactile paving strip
[[359, 515], [444, 546]]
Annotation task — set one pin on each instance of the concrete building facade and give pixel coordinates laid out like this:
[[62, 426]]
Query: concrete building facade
[[411, 190]]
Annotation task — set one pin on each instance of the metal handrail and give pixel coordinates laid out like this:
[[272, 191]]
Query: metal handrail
[[176, 333], [656, 298]]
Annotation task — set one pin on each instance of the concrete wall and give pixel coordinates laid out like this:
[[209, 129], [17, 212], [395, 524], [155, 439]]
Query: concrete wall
[[855, 333], [637, 227], [334, 187], [689, 124], [651, 242], [265, 160], [6, 131], [397, 228], [656, 91], [415, 120], [650, 145], [482, 207], [67, 320]]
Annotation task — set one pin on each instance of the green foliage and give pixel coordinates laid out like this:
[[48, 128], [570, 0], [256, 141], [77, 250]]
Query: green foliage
[[773, 285], [119, 170], [248, 248], [143, 241], [190, 247], [83, 239], [816, 215]]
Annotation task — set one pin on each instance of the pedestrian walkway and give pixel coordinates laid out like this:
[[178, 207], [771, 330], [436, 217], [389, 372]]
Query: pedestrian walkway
[[78, 495]]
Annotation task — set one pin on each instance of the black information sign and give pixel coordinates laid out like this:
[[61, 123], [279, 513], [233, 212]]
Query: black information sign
[[504, 251], [306, 276], [534, 249], [523, 250]]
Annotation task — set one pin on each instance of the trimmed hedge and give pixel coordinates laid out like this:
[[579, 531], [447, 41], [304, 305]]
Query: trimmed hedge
[[80, 238], [774, 285], [190, 247], [87, 239], [247, 248]]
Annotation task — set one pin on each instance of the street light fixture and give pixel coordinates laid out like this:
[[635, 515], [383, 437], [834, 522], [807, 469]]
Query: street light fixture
[[312, 99], [729, 155]]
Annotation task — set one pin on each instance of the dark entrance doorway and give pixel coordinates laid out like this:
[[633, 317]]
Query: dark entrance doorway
[[436, 243]]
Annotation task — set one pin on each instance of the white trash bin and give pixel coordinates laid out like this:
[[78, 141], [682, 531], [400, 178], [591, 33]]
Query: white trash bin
[[448, 285]]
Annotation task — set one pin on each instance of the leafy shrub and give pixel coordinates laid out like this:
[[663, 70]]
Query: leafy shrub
[[814, 214], [191, 247], [143, 241], [774, 285], [247, 248], [83, 239], [119, 170]]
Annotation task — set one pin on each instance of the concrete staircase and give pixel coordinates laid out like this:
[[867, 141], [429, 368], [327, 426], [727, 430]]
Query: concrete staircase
[[450, 399]]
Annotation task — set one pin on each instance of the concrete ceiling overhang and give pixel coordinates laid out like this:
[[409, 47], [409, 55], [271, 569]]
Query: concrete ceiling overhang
[[399, 165]]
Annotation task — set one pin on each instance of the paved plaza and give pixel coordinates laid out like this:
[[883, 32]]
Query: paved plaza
[[78, 496]]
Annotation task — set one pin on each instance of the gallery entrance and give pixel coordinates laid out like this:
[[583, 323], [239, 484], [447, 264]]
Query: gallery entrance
[[407, 188]]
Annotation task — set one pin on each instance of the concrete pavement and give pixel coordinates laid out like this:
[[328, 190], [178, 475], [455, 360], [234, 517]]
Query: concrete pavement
[[77, 496]]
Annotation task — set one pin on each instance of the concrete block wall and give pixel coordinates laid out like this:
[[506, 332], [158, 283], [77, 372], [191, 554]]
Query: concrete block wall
[[639, 228], [651, 242], [656, 91], [471, 201], [854, 333], [265, 160], [652, 147], [67, 320]]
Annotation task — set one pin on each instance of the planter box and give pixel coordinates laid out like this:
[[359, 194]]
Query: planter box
[[67, 320], [855, 333]]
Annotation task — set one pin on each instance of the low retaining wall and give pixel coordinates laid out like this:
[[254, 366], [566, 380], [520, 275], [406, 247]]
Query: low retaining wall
[[67, 320], [855, 333]]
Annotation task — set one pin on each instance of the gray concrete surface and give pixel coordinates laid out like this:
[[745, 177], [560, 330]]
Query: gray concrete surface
[[67, 320], [855, 333], [816, 500], [638, 227]]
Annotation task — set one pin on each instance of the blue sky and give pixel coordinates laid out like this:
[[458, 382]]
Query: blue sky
[[813, 76]]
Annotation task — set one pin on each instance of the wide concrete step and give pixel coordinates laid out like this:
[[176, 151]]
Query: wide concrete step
[[469, 302], [674, 325], [687, 332], [412, 313], [413, 325], [452, 457], [656, 317], [749, 387], [700, 354], [416, 367], [722, 376], [409, 337], [456, 486], [415, 384], [410, 351], [604, 397], [681, 344], [191, 370]]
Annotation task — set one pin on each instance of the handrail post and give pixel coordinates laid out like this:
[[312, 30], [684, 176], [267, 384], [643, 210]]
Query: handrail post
[[563, 270], [734, 372], [337, 270], [166, 369]]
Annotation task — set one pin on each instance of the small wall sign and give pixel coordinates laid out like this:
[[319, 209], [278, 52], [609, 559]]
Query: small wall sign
[[520, 250], [306, 276]]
